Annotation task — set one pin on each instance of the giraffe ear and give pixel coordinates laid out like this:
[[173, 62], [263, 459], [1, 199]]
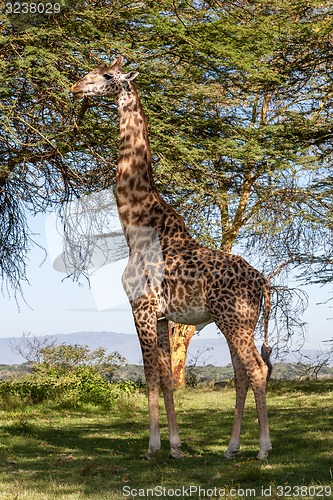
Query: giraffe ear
[[130, 76]]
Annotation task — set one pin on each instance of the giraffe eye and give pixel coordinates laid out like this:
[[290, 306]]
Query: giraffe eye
[[107, 77]]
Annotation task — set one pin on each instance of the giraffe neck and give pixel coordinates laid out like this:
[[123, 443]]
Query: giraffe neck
[[142, 210], [135, 185]]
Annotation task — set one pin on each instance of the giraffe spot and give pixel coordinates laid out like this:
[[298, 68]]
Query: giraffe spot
[[131, 183], [138, 121], [124, 156], [125, 215], [139, 150], [122, 191], [127, 106]]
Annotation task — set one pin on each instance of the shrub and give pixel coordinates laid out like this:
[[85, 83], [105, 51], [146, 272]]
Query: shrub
[[69, 390], [69, 376]]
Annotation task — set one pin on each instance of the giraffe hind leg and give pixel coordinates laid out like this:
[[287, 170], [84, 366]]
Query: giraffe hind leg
[[241, 343], [242, 385]]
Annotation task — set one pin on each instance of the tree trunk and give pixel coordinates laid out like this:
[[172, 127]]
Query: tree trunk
[[180, 338]]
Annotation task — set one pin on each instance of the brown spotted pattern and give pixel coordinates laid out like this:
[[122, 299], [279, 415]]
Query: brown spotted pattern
[[170, 276]]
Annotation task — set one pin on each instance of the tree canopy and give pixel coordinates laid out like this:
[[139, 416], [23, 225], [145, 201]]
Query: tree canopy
[[238, 97]]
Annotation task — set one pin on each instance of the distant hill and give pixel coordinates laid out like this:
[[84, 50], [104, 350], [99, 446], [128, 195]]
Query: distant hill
[[125, 344], [212, 351]]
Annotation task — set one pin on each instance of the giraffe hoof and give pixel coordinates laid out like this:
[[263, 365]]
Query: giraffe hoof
[[176, 453], [152, 454], [230, 454], [152, 451], [263, 455]]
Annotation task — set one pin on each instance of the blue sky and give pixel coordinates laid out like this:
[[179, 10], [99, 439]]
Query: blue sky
[[56, 305]]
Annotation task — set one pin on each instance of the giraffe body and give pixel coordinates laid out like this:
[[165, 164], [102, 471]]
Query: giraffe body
[[170, 276]]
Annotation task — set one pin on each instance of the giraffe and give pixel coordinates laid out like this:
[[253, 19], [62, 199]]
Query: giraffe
[[171, 277]]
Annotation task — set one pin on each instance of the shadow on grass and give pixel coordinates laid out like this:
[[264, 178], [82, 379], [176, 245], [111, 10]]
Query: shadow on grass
[[98, 454], [321, 386]]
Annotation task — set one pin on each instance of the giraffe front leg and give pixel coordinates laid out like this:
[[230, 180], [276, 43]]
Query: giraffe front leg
[[242, 385], [145, 322], [174, 438], [166, 381], [154, 439]]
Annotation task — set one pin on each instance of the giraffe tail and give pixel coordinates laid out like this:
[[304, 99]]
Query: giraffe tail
[[266, 350]]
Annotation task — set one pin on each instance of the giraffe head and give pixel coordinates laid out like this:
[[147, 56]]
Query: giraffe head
[[105, 80]]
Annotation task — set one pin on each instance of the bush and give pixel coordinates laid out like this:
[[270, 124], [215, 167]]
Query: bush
[[69, 390], [69, 376]]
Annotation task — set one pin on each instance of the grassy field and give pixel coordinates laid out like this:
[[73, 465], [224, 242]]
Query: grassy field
[[47, 453]]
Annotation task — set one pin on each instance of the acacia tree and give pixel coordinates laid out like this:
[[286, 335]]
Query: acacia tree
[[238, 97], [250, 131], [46, 158], [251, 86]]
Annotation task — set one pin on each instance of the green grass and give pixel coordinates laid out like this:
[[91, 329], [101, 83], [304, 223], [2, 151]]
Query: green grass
[[47, 453]]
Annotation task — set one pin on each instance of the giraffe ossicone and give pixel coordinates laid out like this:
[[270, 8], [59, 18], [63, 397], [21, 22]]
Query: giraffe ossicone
[[198, 285]]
